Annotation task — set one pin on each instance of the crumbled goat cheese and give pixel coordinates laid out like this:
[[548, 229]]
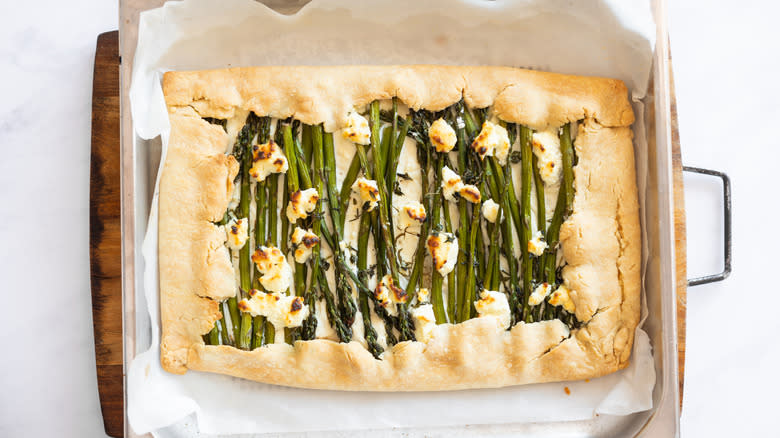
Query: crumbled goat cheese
[[302, 243], [495, 304], [276, 273], [302, 203]]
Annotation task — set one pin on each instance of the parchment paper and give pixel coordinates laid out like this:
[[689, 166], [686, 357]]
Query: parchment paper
[[598, 37]]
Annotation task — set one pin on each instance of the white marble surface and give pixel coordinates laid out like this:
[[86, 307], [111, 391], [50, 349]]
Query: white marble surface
[[725, 57], [725, 61]]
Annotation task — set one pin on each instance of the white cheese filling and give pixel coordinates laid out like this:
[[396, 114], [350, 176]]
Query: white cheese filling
[[267, 159], [539, 294], [547, 148], [562, 297], [443, 248], [407, 207], [411, 216], [367, 192], [302, 203], [537, 245], [490, 210], [357, 129], [424, 322], [423, 295], [281, 310], [387, 294], [493, 139], [450, 183], [452, 186], [275, 273], [235, 197], [442, 136], [302, 242], [494, 304], [237, 231]]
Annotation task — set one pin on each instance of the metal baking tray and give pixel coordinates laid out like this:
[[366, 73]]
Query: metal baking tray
[[140, 159]]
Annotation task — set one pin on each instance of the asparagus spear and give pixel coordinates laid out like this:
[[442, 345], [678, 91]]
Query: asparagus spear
[[563, 206], [492, 280], [383, 207], [481, 264], [541, 221], [263, 134], [330, 178], [425, 151], [212, 338], [463, 229], [364, 293], [380, 268], [304, 176], [567, 158], [467, 305], [223, 330], [423, 161], [258, 322], [273, 211], [384, 223], [243, 152], [360, 279], [397, 137], [452, 284], [548, 261], [216, 121], [525, 206], [270, 330], [284, 221], [349, 179], [509, 254], [437, 280], [471, 128], [306, 140], [384, 151], [343, 330], [292, 186], [304, 153], [347, 306], [499, 181]]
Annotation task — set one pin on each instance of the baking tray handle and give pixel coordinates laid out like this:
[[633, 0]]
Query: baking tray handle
[[726, 227]]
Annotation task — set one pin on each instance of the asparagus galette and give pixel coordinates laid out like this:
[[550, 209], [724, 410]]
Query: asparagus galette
[[398, 228]]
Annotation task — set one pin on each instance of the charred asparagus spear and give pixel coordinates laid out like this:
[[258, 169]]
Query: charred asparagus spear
[[259, 322], [349, 179], [242, 150], [423, 160], [463, 222], [563, 207], [347, 308], [467, 305], [318, 276], [272, 210], [525, 207], [361, 279], [364, 293], [383, 223]]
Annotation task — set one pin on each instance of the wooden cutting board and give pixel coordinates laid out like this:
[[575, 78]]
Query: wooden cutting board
[[105, 251], [105, 234]]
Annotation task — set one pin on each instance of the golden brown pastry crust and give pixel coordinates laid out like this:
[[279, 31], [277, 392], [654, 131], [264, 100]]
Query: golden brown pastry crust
[[600, 240], [328, 94]]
